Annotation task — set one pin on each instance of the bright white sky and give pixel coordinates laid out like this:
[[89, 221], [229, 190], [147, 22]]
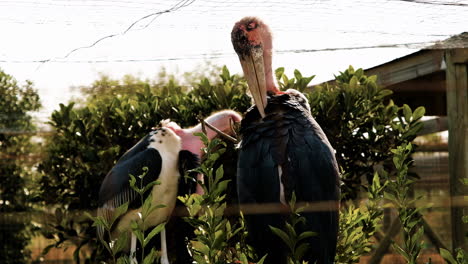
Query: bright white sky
[[196, 30]]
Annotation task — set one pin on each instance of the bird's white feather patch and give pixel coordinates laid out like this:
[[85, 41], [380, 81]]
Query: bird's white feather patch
[[282, 197], [168, 144]]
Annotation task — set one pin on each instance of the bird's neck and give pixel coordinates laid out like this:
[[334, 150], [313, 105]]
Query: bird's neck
[[220, 120], [192, 142], [267, 62]]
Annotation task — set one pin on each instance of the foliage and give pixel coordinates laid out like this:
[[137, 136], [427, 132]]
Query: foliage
[[398, 192], [358, 225], [298, 82], [362, 128], [461, 256], [16, 124], [215, 236], [357, 116], [70, 229], [116, 246], [106, 88], [90, 139], [294, 241]]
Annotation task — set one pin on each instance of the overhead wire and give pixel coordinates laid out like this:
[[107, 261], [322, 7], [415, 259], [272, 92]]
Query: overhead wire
[[226, 6]]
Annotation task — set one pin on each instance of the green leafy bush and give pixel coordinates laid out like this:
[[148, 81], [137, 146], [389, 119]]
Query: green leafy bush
[[358, 224], [217, 240], [116, 247], [361, 122], [16, 174], [398, 193], [90, 138], [290, 236], [361, 126]]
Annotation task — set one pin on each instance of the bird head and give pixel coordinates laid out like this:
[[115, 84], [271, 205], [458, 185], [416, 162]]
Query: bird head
[[221, 120], [252, 41]]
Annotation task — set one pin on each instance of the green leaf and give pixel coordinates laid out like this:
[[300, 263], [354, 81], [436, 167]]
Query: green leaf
[[219, 173], [153, 232], [447, 255], [418, 113], [279, 73], [138, 232], [297, 75], [359, 73], [150, 185], [281, 234], [150, 258], [305, 235], [262, 259], [119, 211], [407, 113], [301, 250], [132, 182], [121, 243], [290, 230], [353, 83], [401, 251], [123, 260], [146, 209]]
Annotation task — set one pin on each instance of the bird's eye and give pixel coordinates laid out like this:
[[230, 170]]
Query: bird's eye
[[251, 26]]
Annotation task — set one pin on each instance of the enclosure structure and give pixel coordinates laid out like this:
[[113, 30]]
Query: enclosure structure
[[436, 78]]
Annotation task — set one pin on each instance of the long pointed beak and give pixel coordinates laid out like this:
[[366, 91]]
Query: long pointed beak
[[254, 72]]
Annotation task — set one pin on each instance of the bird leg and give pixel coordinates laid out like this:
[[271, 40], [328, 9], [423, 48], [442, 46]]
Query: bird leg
[[133, 249], [164, 257]]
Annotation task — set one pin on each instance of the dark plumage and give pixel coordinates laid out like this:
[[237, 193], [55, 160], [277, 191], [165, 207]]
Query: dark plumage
[[290, 138], [283, 151]]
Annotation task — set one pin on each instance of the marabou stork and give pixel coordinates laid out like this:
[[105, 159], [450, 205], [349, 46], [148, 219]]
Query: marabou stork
[[283, 151], [167, 152]]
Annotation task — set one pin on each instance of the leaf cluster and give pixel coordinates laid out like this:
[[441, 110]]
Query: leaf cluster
[[294, 241], [17, 102], [215, 235], [117, 245], [399, 193], [358, 224], [358, 117], [362, 123], [89, 139]]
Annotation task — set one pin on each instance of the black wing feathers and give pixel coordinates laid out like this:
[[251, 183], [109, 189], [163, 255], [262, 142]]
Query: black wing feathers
[[116, 184], [187, 161], [115, 189], [288, 137]]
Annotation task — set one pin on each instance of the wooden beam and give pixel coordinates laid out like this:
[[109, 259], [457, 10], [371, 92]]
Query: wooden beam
[[457, 112], [409, 67], [433, 237], [434, 125]]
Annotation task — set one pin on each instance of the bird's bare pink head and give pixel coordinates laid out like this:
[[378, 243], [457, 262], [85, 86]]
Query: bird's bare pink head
[[250, 33], [252, 41]]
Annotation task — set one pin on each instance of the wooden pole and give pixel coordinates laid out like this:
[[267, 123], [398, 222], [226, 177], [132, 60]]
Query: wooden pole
[[386, 242], [457, 112]]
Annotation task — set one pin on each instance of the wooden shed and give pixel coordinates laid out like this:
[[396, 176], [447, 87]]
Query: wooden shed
[[436, 78]]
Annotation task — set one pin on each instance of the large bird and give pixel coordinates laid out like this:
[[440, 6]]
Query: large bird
[[283, 151], [167, 152]]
